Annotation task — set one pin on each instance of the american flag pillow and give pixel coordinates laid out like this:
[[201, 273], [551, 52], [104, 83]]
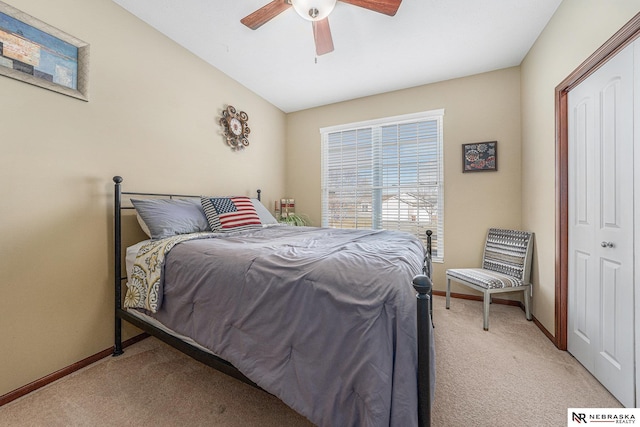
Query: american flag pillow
[[230, 213]]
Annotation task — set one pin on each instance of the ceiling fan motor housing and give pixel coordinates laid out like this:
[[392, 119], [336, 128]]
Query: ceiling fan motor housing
[[313, 10]]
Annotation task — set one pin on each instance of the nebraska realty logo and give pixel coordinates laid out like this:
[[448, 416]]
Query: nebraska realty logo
[[581, 416]]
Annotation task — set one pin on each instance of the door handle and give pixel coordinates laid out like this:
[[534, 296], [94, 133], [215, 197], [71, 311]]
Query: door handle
[[607, 244]]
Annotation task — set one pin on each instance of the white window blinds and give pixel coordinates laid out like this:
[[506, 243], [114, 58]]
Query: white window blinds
[[386, 174]]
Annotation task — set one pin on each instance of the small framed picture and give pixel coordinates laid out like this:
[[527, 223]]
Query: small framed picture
[[480, 156]]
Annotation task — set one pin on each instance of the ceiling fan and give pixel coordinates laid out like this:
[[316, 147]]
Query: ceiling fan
[[316, 11]]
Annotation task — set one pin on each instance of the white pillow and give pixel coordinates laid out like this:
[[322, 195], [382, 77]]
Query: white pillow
[[263, 213], [142, 224]]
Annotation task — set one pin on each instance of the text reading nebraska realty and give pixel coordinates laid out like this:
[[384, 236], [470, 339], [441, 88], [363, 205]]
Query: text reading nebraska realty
[[581, 416]]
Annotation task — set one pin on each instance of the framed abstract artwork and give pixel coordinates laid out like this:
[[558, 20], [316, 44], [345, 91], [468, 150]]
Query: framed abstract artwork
[[39, 54], [480, 156]]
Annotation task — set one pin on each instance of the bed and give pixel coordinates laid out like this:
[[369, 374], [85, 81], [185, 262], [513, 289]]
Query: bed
[[325, 319]]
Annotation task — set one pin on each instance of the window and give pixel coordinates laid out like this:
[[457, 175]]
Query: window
[[386, 174]]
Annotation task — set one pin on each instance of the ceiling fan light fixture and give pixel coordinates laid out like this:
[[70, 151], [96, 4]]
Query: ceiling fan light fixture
[[314, 10]]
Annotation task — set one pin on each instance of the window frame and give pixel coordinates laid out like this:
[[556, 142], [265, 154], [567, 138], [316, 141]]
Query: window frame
[[431, 115]]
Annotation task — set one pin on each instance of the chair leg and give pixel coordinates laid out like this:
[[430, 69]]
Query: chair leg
[[527, 303], [485, 314], [448, 293]]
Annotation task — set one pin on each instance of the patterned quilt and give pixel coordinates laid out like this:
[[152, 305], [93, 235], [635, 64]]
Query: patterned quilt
[[143, 287]]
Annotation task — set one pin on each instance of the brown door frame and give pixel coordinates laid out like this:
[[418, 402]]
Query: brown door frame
[[620, 40]]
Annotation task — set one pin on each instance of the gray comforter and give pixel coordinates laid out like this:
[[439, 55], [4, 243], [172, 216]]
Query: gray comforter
[[325, 319]]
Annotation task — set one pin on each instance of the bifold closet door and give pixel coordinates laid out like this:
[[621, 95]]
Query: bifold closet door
[[601, 225]]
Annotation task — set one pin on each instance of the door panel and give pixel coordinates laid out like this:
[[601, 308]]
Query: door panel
[[583, 173], [610, 200], [610, 271], [581, 315], [582, 326]]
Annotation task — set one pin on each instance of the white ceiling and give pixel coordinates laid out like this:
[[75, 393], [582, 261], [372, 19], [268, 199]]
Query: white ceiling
[[425, 42]]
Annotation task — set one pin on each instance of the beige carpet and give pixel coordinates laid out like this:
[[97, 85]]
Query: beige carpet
[[510, 375], [150, 385]]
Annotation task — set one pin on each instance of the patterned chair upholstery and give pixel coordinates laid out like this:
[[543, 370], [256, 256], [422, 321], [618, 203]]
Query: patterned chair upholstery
[[506, 267]]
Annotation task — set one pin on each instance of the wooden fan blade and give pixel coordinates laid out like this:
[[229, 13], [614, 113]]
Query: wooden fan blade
[[388, 7], [322, 36], [265, 14]]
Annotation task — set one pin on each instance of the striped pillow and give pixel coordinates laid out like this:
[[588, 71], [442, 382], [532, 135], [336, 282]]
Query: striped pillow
[[230, 213]]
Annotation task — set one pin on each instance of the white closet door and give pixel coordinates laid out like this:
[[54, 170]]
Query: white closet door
[[636, 156], [601, 225]]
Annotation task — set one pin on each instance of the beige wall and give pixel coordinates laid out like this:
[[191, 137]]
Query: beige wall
[[152, 118], [483, 107], [577, 29], [153, 112]]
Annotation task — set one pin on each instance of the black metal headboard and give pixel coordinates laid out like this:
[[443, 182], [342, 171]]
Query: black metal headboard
[[118, 207]]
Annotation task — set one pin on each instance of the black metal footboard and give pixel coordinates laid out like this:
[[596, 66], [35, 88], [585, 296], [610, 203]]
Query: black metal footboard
[[423, 286]]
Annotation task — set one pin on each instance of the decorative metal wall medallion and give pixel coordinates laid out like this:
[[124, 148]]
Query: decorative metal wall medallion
[[235, 128]]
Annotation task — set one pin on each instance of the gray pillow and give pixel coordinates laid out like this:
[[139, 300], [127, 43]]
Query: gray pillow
[[168, 217]]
